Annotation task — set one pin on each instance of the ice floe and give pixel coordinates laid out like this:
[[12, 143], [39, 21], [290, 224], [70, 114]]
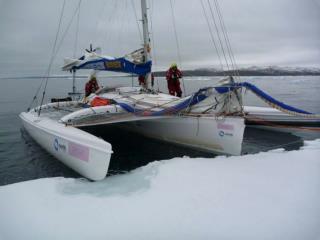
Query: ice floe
[[270, 195]]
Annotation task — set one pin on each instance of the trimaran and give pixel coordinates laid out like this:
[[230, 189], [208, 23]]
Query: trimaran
[[211, 119]]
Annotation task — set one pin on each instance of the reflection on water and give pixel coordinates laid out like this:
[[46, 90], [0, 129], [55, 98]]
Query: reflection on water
[[258, 140], [132, 150]]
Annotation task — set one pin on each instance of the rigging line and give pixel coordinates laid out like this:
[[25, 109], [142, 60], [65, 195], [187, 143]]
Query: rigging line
[[218, 8], [48, 69], [121, 25], [177, 43], [96, 31], [112, 35], [40, 86], [126, 22], [218, 34], [137, 20], [226, 37], [235, 63], [35, 96], [52, 55], [77, 31], [66, 31], [211, 34], [223, 33], [126, 27], [106, 35]]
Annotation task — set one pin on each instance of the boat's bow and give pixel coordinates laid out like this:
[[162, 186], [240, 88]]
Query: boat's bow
[[86, 154]]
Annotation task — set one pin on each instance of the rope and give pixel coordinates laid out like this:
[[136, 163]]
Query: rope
[[211, 34], [226, 37], [223, 33], [218, 34], [128, 114], [56, 49], [137, 20], [131, 110], [114, 11], [35, 96], [52, 56], [66, 30], [122, 18], [77, 31], [101, 11], [177, 43], [194, 99]]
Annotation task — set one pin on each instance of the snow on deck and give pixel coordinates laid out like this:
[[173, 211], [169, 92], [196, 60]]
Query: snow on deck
[[273, 195]]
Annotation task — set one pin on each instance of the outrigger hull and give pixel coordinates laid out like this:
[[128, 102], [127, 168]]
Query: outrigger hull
[[222, 135], [84, 153], [273, 119]]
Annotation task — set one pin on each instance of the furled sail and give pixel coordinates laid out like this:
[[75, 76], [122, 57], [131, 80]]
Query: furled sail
[[94, 61]]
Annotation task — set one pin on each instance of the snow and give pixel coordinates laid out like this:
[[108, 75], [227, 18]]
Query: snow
[[270, 195]]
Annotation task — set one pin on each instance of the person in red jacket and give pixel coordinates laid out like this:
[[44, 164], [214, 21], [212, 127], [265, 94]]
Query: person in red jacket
[[173, 75], [91, 86]]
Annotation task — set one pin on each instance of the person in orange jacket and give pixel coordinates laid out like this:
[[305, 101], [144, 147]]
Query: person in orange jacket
[[173, 75]]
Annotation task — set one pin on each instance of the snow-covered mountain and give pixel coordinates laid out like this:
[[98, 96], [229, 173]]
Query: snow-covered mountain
[[254, 71], [276, 70]]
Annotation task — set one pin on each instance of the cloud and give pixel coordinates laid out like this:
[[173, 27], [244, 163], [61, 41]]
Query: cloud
[[282, 32]]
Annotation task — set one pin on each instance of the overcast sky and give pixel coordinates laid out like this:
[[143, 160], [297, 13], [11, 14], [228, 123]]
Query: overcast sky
[[261, 32]]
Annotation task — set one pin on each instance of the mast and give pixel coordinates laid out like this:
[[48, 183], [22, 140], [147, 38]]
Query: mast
[[73, 81], [146, 40]]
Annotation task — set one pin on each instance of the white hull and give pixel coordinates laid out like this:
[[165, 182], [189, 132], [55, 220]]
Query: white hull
[[81, 151], [91, 155], [218, 135], [55, 130]]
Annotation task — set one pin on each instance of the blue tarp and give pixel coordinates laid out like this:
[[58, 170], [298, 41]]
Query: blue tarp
[[117, 65], [270, 99], [223, 90], [261, 94]]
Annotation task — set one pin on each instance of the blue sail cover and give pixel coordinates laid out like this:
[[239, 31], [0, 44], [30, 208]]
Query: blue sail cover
[[116, 65], [263, 95], [271, 100]]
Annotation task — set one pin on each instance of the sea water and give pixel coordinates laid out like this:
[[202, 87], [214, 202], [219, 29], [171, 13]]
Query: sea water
[[22, 159]]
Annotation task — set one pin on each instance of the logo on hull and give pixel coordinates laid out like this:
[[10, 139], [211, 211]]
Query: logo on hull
[[223, 133], [56, 144], [59, 146]]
